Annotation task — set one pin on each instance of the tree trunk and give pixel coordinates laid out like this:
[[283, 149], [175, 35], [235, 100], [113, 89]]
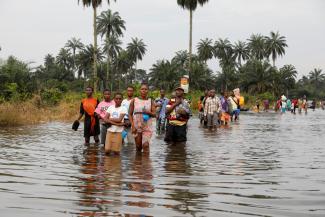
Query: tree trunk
[[135, 72], [108, 65], [95, 50], [190, 45]]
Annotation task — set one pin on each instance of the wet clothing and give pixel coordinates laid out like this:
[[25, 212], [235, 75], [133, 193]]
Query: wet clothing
[[87, 107], [161, 113], [101, 112], [177, 123], [129, 138], [143, 127]]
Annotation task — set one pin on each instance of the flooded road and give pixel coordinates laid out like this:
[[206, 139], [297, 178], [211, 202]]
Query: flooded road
[[266, 165]]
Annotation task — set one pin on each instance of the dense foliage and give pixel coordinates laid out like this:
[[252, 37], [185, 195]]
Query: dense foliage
[[249, 65]]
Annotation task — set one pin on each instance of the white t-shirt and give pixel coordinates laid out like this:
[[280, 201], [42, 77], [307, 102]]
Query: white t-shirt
[[116, 113], [126, 104]]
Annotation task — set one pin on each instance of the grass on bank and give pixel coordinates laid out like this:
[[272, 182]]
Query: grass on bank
[[65, 107]]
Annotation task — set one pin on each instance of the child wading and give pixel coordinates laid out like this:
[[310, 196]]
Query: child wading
[[115, 118], [101, 113], [91, 123]]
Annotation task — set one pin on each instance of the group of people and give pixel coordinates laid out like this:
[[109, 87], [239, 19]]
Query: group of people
[[215, 110], [130, 120]]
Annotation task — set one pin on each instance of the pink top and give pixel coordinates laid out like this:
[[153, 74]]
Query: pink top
[[102, 107]]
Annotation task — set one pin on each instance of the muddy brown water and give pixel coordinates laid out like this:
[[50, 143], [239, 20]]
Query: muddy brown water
[[266, 165]]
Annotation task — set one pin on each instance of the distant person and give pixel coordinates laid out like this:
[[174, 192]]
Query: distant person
[[211, 110], [141, 112], [224, 113], [300, 105], [323, 105], [178, 113], [257, 105], [201, 109], [266, 103], [115, 115], [91, 122], [234, 107], [313, 105], [101, 113], [205, 97], [305, 104], [126, 103], [294, 105], [289, 105], [161, 103]]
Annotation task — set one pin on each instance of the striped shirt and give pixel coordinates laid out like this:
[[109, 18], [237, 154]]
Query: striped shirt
[[212, 105]]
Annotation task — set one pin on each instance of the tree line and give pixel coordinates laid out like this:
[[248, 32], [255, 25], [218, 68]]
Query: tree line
[[249, 65]]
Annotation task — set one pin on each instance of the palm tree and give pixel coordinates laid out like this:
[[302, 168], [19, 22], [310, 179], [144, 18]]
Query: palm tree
[[191, 5], [95, 4], [181, 58], [287, 77], [241, 51], [121, 65], [72, 45], [205, 49], [257, 46], [163, 74], [85, 59], [224, 52], [110, 24], [136, 49], [316, 76], [112, 48], [65, 59], [275, 45]]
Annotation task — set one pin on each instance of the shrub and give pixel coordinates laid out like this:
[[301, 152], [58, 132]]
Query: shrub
[[51, 96]]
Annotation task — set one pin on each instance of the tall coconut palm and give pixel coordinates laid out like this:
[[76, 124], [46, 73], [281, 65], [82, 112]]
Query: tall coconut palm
[[224, 52], [65, 59], [73, 45], [241, 51], [136, 49], [205, 49], [257, 46], [112, 48], [110, 24], [287, 77], [316, 76], [275, 45], [94, 4], [191, 5]]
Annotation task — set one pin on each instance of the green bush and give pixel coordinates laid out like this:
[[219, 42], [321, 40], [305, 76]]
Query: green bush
[[51, 96]]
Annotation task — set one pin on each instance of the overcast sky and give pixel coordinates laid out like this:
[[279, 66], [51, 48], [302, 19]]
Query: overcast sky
[[31, 29]]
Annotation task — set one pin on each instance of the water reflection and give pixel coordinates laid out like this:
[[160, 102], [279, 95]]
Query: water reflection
[[265, 165]]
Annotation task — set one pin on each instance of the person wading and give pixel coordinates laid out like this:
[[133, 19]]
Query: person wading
[[126, 103], [91, 123], [211, 110], [161, 103], [178, 115], [141, 112], [101, 113], [115, 118]]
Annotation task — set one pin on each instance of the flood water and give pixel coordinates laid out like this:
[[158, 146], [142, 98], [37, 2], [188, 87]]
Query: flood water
[[266, 165]]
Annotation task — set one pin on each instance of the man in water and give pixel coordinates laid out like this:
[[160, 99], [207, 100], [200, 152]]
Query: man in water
[[101, 113], [161, 103], [178, 113], [126, 103], [211, 110], [266, 103], [203, 100], [224, 114]]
